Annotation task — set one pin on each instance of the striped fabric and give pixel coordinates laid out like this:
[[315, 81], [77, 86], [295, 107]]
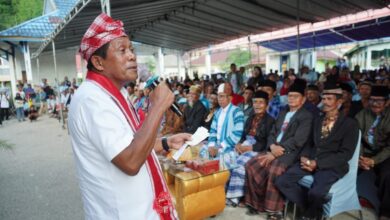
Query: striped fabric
[[232, 129], [261, 193], [235, 188]]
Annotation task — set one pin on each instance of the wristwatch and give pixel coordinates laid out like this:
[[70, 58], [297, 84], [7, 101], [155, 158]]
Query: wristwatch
[[165, 144]]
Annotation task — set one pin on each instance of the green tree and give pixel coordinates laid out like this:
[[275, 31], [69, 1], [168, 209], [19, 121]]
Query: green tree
[[151, 64], [13, 12], [6, 10], [237, 56]]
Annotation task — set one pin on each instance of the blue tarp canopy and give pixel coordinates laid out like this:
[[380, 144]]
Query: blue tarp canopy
[[40, 28], [367, 30]]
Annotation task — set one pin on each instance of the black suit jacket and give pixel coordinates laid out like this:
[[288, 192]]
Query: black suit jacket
[[194, 117], [334, 151], [295, 136], [262, 132]]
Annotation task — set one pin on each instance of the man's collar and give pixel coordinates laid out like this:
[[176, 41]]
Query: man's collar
[[375, 115], [226, 108]]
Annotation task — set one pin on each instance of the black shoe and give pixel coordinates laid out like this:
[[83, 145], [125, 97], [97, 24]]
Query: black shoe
[[251, 211]]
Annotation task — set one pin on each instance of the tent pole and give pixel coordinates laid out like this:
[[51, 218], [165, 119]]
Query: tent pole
[[58, 84], [298, 38], [106, 7], [38, 70], [250, 52]]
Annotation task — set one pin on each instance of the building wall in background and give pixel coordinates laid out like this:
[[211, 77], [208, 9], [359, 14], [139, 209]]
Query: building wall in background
[[363, 56], [66, 66]]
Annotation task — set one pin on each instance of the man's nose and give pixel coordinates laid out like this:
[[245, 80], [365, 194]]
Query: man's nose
[[131, 55]]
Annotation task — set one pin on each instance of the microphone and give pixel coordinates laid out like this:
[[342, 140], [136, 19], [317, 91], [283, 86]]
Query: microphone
[[152, 83]]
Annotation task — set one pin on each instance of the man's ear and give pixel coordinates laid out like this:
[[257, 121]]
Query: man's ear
[[339, 101], [97, 62], [304, 99]]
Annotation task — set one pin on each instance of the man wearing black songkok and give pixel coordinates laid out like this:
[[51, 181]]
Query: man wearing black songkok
[[334, 141]]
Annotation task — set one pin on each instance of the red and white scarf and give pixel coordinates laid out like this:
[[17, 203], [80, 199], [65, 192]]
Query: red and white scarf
[[162, 203]]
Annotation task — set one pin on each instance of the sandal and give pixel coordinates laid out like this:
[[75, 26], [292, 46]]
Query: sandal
[[241, 205], [230, 203]]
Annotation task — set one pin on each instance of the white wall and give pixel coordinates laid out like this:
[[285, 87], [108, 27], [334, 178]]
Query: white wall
[[375, 47], [272, 61], [19, 64], [4, 70], [66, 66], [363, 56], [293, 62]]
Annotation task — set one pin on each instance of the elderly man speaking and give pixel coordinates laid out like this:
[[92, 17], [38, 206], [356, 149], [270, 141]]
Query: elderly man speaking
[[119, 174]]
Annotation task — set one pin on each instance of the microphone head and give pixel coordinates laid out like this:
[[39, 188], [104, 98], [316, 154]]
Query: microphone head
[[150, 81]]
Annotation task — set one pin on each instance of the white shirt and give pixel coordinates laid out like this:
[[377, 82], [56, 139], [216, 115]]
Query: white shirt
[[64, 98], [221, 120], [233, 81], [21, 94], [4, 103], [286, 121], [99, 132]]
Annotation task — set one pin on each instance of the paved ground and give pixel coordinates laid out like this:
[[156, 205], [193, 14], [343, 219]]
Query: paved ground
[[38, 179]]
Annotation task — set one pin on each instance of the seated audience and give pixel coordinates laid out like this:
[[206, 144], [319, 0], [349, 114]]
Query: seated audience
[[274, 105], [374, 163], [256, 78], [364, 90], [313, 95], [334, 142], [346, 107], [172, 123], [213, 104], [246, 106], [289, 134], [195, 112], [132, 90], [226, 129], [253, 141], [209, 90]]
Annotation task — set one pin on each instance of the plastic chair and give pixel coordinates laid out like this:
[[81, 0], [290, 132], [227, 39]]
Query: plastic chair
[[343, 195]]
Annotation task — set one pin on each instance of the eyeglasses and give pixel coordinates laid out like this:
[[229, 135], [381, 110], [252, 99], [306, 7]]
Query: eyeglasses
[[377, 101]]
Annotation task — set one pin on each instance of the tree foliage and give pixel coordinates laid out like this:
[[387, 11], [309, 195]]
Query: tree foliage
[[237, 56], [14, 12], [151, 65]]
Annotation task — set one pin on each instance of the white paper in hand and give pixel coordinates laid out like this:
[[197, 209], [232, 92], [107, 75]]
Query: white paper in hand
[[200, 135]]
